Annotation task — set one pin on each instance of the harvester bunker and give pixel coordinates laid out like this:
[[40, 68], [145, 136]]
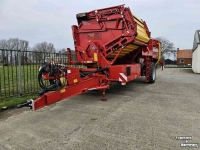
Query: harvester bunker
[[114, 46]]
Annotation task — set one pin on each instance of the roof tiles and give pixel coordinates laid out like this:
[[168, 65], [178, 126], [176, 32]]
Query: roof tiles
[[186, 53]]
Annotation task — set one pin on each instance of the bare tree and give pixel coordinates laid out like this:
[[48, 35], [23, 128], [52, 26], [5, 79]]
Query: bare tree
[[3, 44], [7, 55], [14, 44], [44, 47], [167, 48], [42, 51], [63, 50]]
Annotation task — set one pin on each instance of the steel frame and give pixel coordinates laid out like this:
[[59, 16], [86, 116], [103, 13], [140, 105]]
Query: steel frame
[[101, 71]]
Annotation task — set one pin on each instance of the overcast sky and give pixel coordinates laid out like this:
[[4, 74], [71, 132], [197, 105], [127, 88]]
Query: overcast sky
[[51, 20]]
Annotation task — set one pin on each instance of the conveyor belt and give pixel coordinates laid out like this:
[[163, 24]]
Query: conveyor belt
[[141, 36]]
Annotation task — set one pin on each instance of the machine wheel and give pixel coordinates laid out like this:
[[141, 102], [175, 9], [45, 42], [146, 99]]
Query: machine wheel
[[152, 76]]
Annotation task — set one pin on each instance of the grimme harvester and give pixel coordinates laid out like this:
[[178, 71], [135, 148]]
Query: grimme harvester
[[114, 46]]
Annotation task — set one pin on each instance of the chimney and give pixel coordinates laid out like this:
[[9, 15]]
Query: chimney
[[177, 49]]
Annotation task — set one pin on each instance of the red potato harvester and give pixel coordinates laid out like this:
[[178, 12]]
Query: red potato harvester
[[114, 46]]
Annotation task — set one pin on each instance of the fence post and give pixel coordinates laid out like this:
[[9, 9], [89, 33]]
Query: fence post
[[62, 58], [19, 73]]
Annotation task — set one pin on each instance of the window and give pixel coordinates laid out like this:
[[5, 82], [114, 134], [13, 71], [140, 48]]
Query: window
[[182, 60]]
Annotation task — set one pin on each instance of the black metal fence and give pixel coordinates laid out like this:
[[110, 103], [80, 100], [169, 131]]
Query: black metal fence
[[19, 69]]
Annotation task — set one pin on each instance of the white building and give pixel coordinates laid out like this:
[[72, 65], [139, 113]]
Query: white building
[[196, 52]]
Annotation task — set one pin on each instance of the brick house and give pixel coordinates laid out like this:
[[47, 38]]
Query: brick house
[[184, 57]]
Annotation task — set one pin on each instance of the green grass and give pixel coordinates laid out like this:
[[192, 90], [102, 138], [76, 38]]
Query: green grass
[[14, 101], [9, 80], [9, 84]]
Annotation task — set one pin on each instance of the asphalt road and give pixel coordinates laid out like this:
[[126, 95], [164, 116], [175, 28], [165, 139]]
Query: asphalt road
[[137, 116]]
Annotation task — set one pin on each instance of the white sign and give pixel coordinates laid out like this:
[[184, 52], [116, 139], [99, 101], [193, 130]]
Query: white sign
[[187, 144]]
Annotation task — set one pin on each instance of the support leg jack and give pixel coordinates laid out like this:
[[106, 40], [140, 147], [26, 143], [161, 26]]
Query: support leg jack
[[104, 96]]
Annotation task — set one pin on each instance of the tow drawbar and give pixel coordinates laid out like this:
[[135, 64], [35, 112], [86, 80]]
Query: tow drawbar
[[27, 104]]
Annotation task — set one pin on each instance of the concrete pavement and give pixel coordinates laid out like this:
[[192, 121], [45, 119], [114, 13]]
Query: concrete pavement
[[137, 116]]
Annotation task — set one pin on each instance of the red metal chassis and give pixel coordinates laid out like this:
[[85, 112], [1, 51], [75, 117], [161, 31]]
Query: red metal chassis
[[93, 54]]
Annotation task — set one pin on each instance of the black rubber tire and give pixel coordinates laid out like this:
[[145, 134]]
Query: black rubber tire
[[152, 75]]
